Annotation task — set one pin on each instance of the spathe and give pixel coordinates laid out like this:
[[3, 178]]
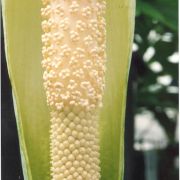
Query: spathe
[[22, 27]]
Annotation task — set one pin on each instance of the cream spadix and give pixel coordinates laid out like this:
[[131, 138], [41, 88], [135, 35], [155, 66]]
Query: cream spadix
[[74, 54]]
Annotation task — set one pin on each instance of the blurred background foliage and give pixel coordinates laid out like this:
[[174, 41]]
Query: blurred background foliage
[[156, 39], [153, 88]]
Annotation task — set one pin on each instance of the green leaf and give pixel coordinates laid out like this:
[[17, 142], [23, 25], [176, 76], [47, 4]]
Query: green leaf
[[164, 11]]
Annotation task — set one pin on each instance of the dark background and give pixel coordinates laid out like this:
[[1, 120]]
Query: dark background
[[156, 31]]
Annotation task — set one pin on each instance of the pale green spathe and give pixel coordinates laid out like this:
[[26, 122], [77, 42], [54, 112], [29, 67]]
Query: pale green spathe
[[22, 28]]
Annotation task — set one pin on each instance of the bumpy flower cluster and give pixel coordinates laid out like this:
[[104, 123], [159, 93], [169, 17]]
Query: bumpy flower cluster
[[74, 55]]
